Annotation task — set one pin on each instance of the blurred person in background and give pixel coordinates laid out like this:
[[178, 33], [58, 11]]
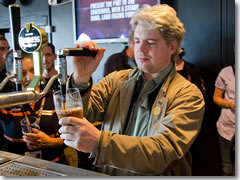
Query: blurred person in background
[[122, 60], [44, 143], [224, 97], [189, 71]]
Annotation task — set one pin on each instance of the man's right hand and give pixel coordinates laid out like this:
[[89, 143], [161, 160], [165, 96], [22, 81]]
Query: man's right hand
[[84, 66]]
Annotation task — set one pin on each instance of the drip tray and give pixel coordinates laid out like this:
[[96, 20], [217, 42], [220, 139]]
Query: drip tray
[[3, 160], [14, 168]]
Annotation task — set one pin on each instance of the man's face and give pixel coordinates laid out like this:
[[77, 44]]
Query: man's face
[[48, 58], [4, 47], [28, 71], [152, 53]]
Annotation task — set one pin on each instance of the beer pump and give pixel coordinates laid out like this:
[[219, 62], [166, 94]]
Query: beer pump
[[62, 63], [32, 39], [15, 24], [18, 98]]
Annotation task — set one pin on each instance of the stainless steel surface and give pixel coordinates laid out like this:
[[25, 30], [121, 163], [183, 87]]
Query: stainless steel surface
[[17, 165], [17, 98], [3, 160], [23, 97], [4, 82], [62, 52], [13, 168], [62, 69]]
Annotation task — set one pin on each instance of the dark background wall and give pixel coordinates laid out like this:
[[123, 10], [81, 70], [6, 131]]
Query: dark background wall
[[209, 44]]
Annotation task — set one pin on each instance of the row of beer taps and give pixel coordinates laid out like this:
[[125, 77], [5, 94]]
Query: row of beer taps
[[30, 39]]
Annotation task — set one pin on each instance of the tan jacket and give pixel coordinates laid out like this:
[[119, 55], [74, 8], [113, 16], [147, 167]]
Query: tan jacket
[[174, 124]]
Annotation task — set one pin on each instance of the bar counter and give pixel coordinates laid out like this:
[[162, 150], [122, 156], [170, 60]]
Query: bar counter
[[17, 165]]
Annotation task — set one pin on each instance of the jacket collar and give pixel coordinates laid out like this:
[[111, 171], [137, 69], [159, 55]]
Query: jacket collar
[[127, 90], [126, 93], [133, 75]]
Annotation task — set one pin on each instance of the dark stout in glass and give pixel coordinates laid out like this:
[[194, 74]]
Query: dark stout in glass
[[75, 112]]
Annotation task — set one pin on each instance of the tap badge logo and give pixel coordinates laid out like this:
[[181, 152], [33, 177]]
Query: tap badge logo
[[30, 39]]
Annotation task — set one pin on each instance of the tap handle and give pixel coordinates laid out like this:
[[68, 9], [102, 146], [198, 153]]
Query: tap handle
[[77, 52], [14, 13]]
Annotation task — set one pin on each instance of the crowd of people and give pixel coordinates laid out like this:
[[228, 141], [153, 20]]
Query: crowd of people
[[150, 102], [44, 143]]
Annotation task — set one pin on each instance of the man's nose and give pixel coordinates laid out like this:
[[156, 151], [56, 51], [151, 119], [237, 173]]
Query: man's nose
[[142, 47], [29, 76], [45, 59]]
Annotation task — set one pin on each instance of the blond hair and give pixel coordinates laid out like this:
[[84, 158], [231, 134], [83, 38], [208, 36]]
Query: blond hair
[[161, 17], [130, 36]]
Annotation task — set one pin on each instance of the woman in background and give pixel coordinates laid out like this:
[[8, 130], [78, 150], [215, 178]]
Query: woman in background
[[224, 97], [189, 71]]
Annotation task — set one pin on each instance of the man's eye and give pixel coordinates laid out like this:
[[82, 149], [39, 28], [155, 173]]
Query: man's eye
[[4, 48], [48, 54], [136, 41], [32, 70], [151, 42]]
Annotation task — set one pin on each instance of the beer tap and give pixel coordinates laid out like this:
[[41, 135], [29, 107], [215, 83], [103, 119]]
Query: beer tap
[[33, 39], [62, 70], [5, 81], [13, 99], [15, 23], [62, 63], [24, 97]]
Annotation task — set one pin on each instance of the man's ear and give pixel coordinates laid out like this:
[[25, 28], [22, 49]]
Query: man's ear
[[132, 44], [55, 56], [173, 46]]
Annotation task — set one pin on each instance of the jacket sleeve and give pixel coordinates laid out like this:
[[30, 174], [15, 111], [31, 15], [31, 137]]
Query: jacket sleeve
[[97, 98]]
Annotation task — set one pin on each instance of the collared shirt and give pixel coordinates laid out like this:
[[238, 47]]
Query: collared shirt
[[141, 108], [132, 63]]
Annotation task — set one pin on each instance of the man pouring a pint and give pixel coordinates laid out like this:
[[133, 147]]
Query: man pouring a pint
[[151, 115]]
